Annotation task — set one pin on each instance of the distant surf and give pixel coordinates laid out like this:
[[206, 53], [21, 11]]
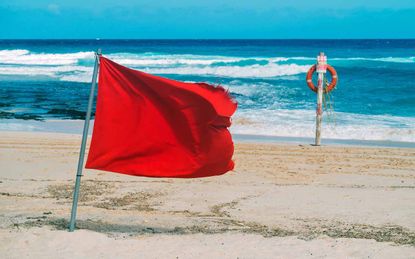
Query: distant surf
[[76, 67]]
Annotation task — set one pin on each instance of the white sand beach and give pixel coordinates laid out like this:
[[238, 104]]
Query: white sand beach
[[281, 201]]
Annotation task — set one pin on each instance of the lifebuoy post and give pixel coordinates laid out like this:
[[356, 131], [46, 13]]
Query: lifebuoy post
[[321, 68], [321, 71]]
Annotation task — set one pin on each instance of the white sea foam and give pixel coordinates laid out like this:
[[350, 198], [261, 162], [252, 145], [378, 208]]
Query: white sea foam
[[24, 57], [83, 73], [77, 66], [153, 59], [162, 62], [65, 67], [51, 71], [253, 71], [380, 59], [13, 52], [84, 77], [385, 59], [301, 123]]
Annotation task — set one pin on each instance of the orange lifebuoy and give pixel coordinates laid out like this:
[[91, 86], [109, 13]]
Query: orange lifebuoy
[[332, 84]]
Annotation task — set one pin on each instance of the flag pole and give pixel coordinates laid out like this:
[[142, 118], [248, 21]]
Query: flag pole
[[83, 144]]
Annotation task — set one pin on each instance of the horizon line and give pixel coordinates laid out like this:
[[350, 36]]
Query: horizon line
[[201, 39]]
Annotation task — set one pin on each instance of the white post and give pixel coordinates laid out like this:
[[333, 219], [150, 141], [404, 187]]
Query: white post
[[83, 144], [321, 70]]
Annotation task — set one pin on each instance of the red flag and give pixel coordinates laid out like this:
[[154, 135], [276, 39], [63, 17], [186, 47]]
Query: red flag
[[152, 126]]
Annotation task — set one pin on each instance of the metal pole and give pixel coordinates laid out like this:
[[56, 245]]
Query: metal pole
[[83, 144], [321, 70]]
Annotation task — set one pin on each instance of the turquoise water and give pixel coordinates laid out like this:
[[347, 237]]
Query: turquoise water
[[48, 80]]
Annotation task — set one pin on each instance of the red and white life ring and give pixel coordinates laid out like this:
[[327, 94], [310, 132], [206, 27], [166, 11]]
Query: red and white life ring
[[332, 84]]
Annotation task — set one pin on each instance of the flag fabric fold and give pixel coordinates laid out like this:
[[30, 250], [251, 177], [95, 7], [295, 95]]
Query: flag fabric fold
[[151, 126]]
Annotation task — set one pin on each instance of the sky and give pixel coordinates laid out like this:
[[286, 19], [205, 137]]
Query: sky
[[207, 19]]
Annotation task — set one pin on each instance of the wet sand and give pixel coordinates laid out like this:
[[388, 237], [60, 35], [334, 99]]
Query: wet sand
[[282, 200]]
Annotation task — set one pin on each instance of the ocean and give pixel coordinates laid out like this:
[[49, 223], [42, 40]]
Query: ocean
[[44, 84]]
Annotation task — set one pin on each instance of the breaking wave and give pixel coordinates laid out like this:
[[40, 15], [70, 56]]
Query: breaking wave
[[386, 59], [77, 66], [25, 57], [301, 123], [254, 71]]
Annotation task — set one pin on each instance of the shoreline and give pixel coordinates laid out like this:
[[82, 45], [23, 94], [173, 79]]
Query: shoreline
[[263, 139], [74, 127]]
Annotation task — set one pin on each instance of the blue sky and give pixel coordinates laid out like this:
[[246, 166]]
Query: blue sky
[[175, 19]]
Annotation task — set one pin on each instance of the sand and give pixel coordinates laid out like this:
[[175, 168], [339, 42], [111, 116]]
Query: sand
[[281, 201]]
